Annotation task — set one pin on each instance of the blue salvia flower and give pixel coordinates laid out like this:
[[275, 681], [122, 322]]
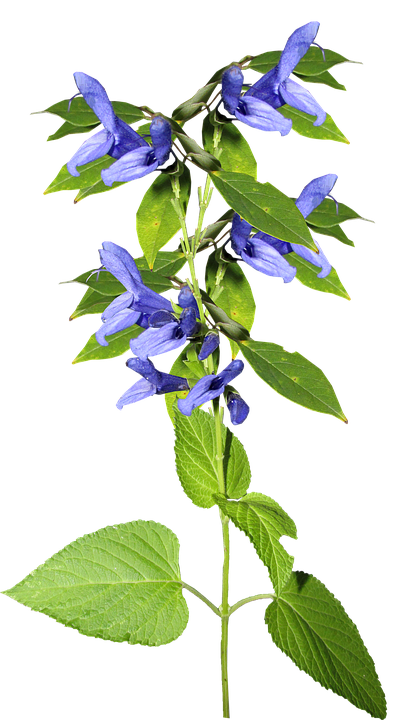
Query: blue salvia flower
[[211, 340], [238, 408], [258, 106], [209, 387], [261, 243], [153, 382], [133, 307], [165, 333], [118, 139]]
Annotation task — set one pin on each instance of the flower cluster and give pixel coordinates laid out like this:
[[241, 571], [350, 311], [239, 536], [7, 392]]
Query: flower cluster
[[258, 106], [135, 157], [265, 252], [163, 331]]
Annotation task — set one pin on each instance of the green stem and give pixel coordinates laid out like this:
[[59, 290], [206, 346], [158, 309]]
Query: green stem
[[190, 253], [239, 604], [202, 598]]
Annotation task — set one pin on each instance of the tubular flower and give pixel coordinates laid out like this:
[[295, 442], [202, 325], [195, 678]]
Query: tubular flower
[[257, 252], [165, 333], [186, 299], [209, 345], [258, 106], [132, 307], [311, 196], [153, 382], [238, 408], [209, 387], [118, 139]]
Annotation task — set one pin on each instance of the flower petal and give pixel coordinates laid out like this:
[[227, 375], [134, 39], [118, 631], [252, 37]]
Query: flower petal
[[280, 245], [230, 372], [199, 394], [258, 114], [295, 48], [145, 368], [188, 321], [209, 345], [125, 257], [160, 318], [141, 390], [266, 259], [238, 408], [113, 263], [122, 302], [240, 232], [96, 98], [121, 321], [232, 82], [314, 193], [156, 341], [318, 259], [186, 299], [171, 383], [148, 301], [266, 89], [296, 96], [161, 134], [93, 148], [126, 139], [132, 165]]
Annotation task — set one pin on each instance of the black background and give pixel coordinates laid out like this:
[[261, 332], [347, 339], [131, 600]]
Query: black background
[[82, 464]]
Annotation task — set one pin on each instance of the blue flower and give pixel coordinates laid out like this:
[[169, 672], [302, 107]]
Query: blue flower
[[265, 252], [209, 387], [133, 307], [209, 345], [153, 382], [118, 139], [258, 106], [238, 408], [165, 333], [186, 299]]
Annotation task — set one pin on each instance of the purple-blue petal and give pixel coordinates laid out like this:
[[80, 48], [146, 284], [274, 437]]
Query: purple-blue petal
[[240, 232], [314, 193], [126, 139], [171, 383], [125, 257], [232, 82], [209, 345], [121, 321], [258, 114], [156, 341], [93, 148], [145, 368], [238, 408], [132, 165], [318, 259], [160, 318], [266, 259], [97, 99], [122, 302], [280, 245], [199, 394], [113, 263], [148, 301], [161, 134], [186, 299], [230, 372], [297, 97], [266, 89], [141, 390], [295, 48], [188, 321]]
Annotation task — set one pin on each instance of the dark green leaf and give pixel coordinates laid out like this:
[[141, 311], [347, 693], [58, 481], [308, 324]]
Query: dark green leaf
[[310, 626], [197, 155], [265, 61], [192, 107], [92, 302], [307, 274], [167, 264], [236, 154], [334, 231], [81, 114], [232, 329], [214, 229], [311, 64], [324, 78], [69, 129], [303, 125], [117, 345], [89, 175], [325, 214]]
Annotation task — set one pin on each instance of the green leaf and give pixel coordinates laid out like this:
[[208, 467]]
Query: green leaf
[[92, 302], [214, 229], [81, 114], [311, 64], [294, 377], [264, 522], [117, 345], [325, 78], [229, 288], [69, 129], [325, 214], [88, 184], [336, 233], [310, 626], [232, 329], [264, 207], [121, 583], [307, 274], [236, 154], [196, 461], [167, 264], [156, 219], [303, 125]]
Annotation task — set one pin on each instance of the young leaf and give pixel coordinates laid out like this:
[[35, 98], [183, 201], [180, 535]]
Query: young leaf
[[310, 626], [212, 231], [192, 107], [303, 125], [81, 114], [196, 459], [264, 522], [197, 155], [264, 207], [325, 215], [307, 276], [334, 231], [118, 346], [69, 129], [236, 154], [324, 78], [227, 285], [92, 302], [294, 377], [156, 219], [121, 583], [89, 175]]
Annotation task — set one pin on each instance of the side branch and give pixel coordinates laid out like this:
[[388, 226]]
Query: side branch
[[203, 598], [250, 599]]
